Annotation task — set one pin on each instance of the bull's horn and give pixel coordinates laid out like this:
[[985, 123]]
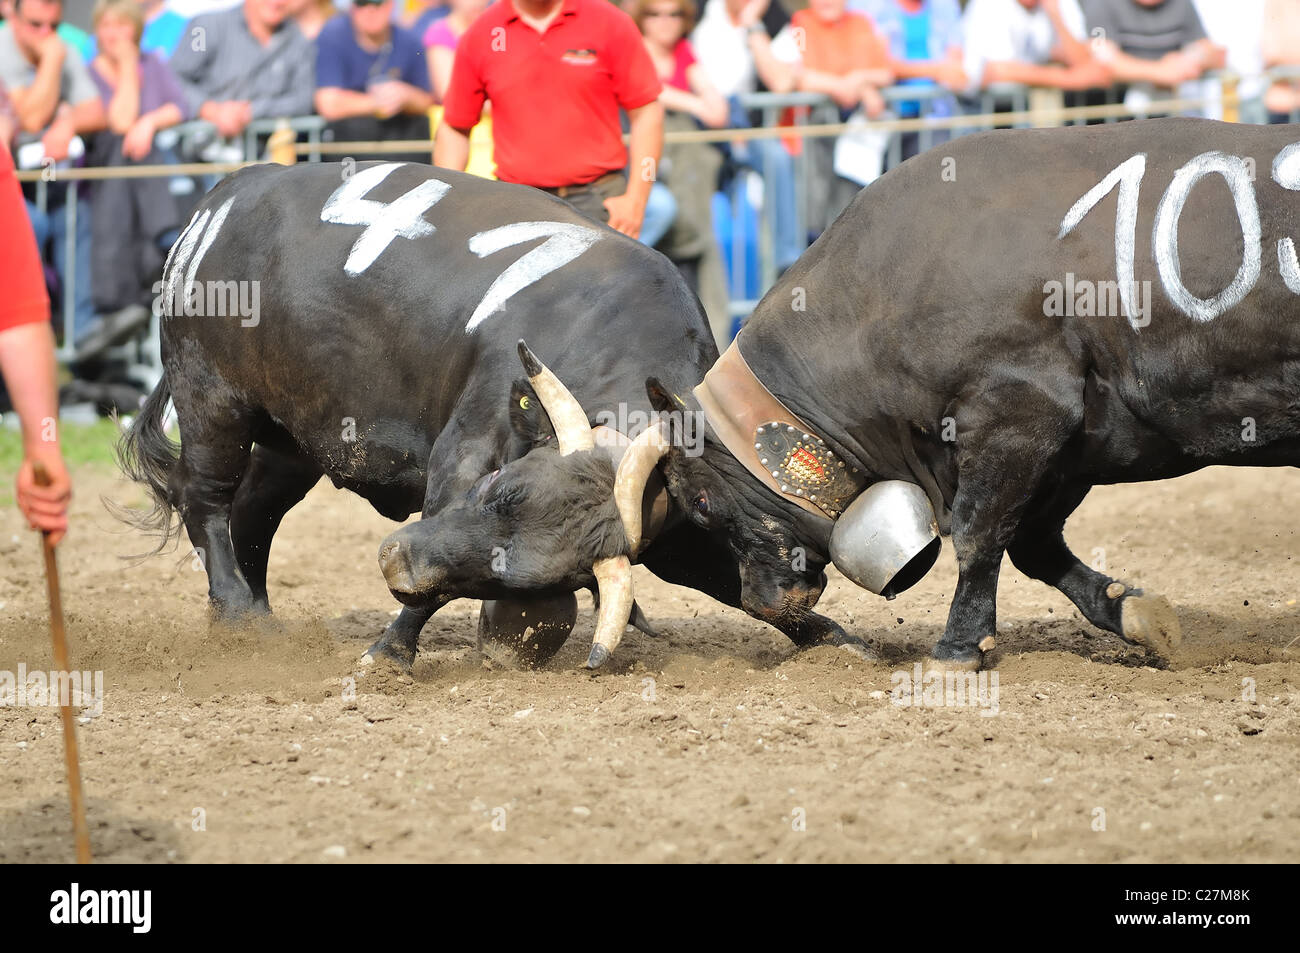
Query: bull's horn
[[572, 429], [614, 583], [629, 483]]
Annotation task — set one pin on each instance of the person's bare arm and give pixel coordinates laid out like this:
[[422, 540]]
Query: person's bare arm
[[124, 107], [1170, 70], [36, 103], [451, 147], [440, 63], [333, 102], [88, 116], [1088, 75], [415, 100], [645, 145], [27, 365], [1069, 49], [704, 102], [948, 72], [777, 76]]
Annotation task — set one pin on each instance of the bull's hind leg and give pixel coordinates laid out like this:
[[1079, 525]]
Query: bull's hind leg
[[1040, 552], [215, 442], [274, 484]]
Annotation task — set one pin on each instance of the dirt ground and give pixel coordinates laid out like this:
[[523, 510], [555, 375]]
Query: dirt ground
[[716, 742]]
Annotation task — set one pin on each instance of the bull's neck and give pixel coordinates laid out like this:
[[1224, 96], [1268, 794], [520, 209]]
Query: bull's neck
[[809, 388]]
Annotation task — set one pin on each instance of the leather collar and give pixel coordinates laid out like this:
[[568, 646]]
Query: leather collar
[[778, 448]]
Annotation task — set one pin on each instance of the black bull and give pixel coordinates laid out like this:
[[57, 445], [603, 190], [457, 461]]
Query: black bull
[[1008, 321], [356, 363]]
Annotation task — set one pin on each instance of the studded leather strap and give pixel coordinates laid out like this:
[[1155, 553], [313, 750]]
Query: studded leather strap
[[771, 442]]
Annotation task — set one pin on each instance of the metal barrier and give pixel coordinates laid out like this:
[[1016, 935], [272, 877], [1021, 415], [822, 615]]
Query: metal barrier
[[812, 116]]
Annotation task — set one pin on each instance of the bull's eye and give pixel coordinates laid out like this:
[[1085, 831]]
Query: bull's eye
[[701, 503]]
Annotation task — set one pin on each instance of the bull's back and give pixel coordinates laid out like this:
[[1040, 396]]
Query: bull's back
[[997, 250]]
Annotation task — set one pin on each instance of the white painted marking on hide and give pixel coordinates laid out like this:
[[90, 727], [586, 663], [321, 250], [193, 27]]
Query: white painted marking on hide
[[180, 255], [209, 236], [1128, 175], [401, 218], [1288, 265], [1164, 239], [564, 243], [1286, 167], [1286, 173]]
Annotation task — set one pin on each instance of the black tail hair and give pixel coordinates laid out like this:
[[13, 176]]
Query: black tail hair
[[146, 455]]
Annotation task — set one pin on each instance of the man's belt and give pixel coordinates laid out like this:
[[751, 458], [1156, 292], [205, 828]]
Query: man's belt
[[564, 191], [771, 442]]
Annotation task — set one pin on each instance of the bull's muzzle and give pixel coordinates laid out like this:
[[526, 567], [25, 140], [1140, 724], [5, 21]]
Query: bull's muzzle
[[395, 564]]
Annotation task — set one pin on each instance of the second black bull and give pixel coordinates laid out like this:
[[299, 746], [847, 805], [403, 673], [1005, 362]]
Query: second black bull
[[998, 326]]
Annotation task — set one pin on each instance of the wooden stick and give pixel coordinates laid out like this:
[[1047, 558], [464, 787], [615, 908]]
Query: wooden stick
[[79, 828]]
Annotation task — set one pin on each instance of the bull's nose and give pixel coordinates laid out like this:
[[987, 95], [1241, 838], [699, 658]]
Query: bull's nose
[[396, 566]]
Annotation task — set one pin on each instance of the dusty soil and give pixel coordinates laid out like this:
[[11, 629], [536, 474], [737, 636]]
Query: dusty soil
[[716, 742]]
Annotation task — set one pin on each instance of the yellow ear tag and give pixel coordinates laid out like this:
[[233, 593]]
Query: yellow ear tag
[[523, 403]]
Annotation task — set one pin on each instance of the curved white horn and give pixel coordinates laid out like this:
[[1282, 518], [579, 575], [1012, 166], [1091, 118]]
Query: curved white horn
[[614, 583], [572, 429], [641, 457]]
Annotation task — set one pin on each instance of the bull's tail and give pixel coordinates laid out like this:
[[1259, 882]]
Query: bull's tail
[[147, 455]]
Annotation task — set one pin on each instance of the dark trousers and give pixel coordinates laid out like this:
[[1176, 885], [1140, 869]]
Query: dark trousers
[[589, 199]]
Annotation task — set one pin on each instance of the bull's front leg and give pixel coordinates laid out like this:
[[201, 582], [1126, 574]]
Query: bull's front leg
[[1003, 460]]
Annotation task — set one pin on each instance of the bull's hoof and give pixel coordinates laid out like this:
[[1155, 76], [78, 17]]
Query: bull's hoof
[[392, 651], [854, 646], [1150, 621], [960, 665], [948, 659]]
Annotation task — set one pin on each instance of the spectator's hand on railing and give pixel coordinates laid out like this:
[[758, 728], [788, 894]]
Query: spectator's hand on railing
[[951, 74], [390, 98], [230, 118], [1179, 67], [873, 104], [56, 139]]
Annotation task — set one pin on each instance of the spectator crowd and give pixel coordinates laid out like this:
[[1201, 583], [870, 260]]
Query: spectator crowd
[[578, 95]]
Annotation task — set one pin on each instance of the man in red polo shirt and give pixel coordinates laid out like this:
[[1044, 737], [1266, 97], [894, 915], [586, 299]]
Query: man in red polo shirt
[[27, 356], [557, 73]]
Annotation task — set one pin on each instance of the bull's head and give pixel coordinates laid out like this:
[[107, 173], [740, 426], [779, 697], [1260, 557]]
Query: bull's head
[[781, 549], [546, 523]]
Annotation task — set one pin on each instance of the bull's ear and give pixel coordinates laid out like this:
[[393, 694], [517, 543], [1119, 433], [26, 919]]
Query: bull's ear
[[528, 418], [661, 398]]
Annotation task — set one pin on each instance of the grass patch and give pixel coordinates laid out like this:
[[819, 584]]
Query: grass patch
[[82, 444]]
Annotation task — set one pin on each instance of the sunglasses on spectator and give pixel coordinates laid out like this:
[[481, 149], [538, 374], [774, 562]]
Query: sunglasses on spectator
[[664, 14], [368, 3]]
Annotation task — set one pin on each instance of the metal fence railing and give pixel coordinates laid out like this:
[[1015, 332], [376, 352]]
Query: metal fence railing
[[805, 115]]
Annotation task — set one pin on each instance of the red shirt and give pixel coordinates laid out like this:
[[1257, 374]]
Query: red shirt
[[683, 59], [555, 95], [23, 299]]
